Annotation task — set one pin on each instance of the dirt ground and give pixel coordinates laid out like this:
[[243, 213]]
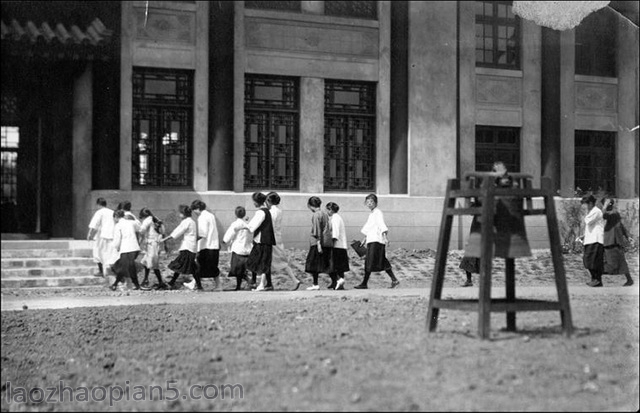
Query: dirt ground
[[338, 351]]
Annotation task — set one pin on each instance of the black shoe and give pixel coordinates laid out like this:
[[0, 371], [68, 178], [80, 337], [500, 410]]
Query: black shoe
[[145, 283], [162, 286], [331, 286], [595, 283], [269, 288], [628, 283], [468, 283], [171, 286], [340, 288], [114, 287], [361, 287], [394, 283]]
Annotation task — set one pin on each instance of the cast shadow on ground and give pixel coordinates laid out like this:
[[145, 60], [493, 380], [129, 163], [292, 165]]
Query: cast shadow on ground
[[546, 332]]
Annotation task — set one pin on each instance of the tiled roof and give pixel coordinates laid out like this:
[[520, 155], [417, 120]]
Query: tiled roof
[[96, 33]]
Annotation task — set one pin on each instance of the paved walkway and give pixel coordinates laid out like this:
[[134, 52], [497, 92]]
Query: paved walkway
[[14, 303]]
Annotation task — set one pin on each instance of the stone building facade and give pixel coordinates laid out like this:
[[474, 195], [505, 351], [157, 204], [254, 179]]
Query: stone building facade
[[217, 100]]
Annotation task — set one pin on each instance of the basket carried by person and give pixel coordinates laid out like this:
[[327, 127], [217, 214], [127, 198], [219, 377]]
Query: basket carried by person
[[360, 249]]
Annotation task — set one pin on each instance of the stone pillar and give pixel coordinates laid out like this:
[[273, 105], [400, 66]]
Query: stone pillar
[[312, 7], [81, 150], [398, 144], [567, 113], [201, 100], [126, 93], [311, 166], [240, 63], [627, 145], [530, 136], [383, 96], [432, 96], [551, 115], [467, 85]]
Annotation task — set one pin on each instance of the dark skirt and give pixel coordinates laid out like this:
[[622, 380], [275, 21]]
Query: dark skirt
[[470, 264], [238, 266], [376, 258], [340, 260], [185, 263], [208, 263], [125, 266], [318, 263], [259, 260], [593, 257], [614, 260]]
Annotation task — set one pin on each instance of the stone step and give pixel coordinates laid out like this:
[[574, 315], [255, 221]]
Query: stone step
[[49, 272], [12, 263], [49, 244], [47, 282], [46, 253]]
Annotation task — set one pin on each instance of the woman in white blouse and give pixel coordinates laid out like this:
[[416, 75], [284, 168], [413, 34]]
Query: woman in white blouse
[[185, 263], [593, 241]]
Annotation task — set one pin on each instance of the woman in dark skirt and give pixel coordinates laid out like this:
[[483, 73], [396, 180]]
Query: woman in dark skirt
[[615, 236], [593, 240], [340, 258], [264, 239], [375, 231], [185, 263], [320, 242]]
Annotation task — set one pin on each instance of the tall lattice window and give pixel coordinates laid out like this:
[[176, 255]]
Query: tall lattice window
[[595, 161], [497, 143], [162, 128], [271, 132], [10, 146], [497, 35], [596, 45], [349, 136]]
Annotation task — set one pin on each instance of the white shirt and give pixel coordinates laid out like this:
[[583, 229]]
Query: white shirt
[[594, 227], [124, 236], [103, 222], [254, 224], [276, 219], [208, 230], [242, 242], [187, 228], [338, 231], [375, 227], [149, 231]]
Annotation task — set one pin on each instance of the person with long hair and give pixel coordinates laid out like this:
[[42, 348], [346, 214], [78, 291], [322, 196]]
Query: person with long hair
[[125, 242], [185, 262], [320, 242], [593, 239], [208, 255], [260, 257], [340, 257], [151, 231], [615, 236]]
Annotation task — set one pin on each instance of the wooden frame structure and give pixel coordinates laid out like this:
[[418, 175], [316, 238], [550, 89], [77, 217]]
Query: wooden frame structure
[[480, 186]]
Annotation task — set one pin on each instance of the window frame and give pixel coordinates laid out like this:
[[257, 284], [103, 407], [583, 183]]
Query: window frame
[[496, 23], [163, 148], [496, 150], [594, 165]]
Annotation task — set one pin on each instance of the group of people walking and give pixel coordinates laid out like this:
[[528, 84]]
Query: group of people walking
[[256, 245], [603, 240]]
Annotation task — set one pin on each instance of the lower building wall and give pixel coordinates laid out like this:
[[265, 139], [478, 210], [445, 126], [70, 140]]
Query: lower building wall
[[414, 222]]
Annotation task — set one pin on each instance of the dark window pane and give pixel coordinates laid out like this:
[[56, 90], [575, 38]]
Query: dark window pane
[[595, 166], [500, 36], [355, 9], [496, 143], [596, 45]]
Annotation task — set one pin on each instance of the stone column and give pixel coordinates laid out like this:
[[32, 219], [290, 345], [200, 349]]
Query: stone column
[[201, 100], [126, 93], [383, 97], [467, 85], [567, 113], [530, 137], [551, 115], [627, 145], [432, 96], [240, 63], [81, 150], [312, 7], [311, 159]]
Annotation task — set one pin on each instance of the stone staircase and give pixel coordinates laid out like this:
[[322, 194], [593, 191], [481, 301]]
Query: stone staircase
[[48, 264]]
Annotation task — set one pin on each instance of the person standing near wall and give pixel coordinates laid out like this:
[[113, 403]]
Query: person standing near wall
[[151, 231], [264, 239], [208, 255], [593, 240], [185, 262], [101, 232], [239, 240], [375, 237], [280, 260], [320, 243], [615, 236], [125, 242], [340, 257]]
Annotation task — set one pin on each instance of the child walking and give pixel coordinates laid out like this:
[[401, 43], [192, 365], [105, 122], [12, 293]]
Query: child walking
[[264, 239], [615, 235], [320, 242], [340, 257], [151, 231], [593, 240], [125, 242], [238, 239], [185, 262], [375, 231], [280, 261]]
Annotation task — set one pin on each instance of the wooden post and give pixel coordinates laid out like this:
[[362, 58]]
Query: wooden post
[[510, 278], [486, 259]]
